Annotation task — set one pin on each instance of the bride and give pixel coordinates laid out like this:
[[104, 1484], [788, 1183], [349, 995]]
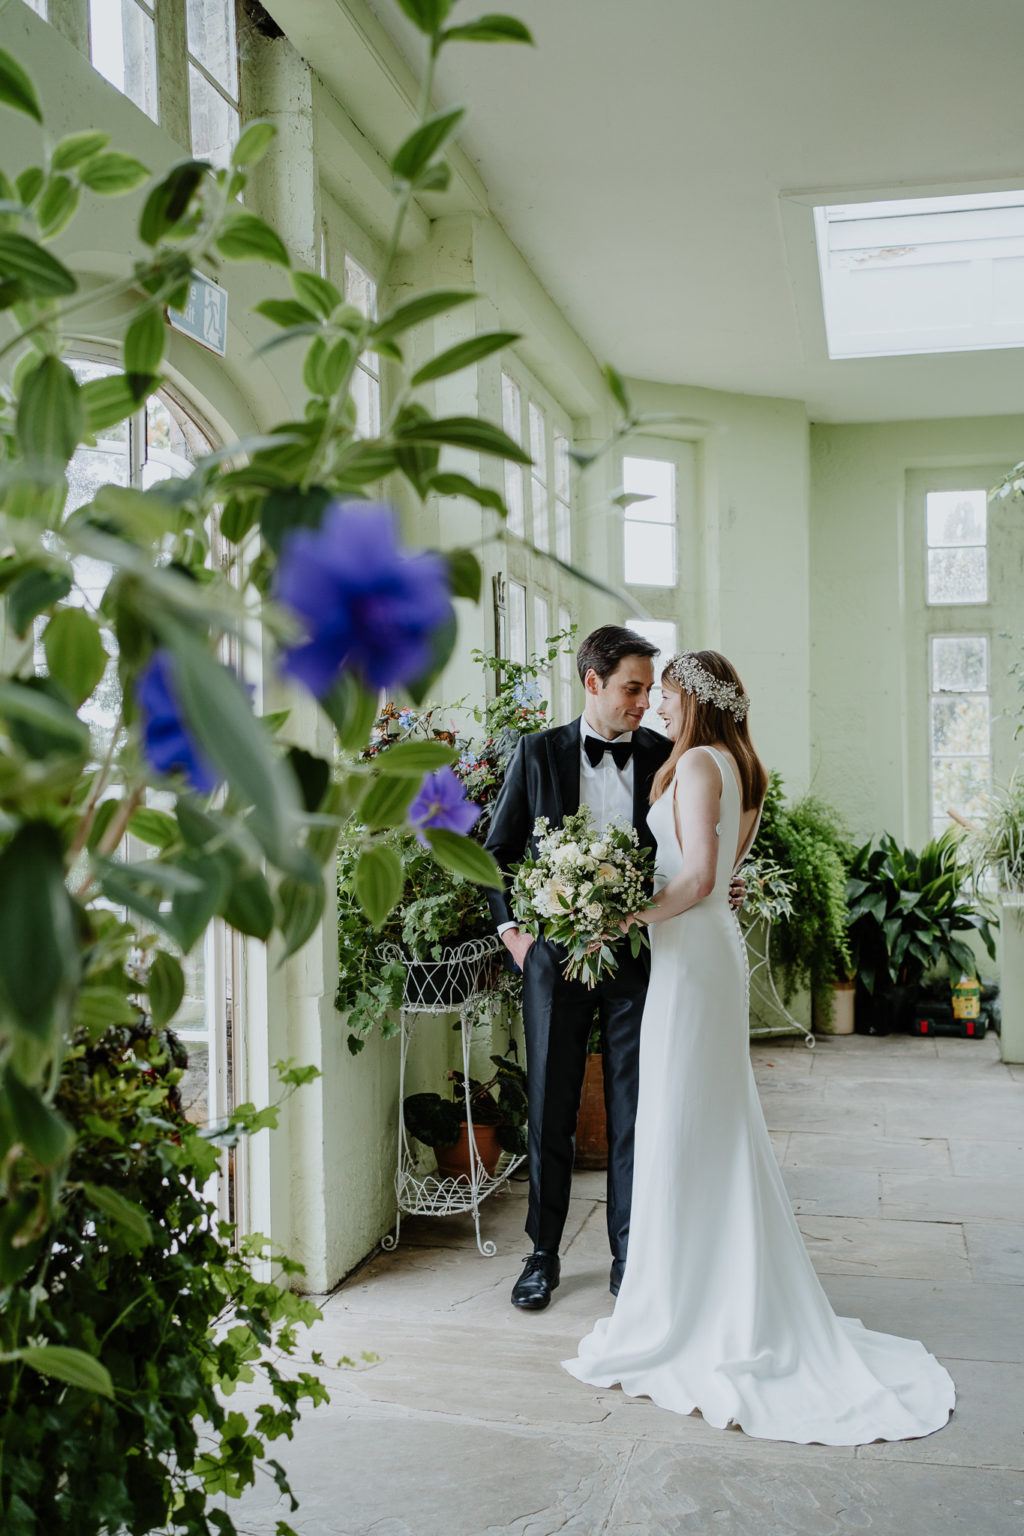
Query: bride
[[720, 1309]]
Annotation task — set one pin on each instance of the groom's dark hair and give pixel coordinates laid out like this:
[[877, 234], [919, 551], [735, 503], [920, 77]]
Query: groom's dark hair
[[604, 649]]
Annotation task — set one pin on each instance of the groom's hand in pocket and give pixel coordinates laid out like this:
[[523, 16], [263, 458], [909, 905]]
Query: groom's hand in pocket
[[517, 944]]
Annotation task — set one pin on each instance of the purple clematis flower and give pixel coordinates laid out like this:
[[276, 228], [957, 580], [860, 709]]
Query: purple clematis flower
[[369, 606], [167, 743], [441, 805]]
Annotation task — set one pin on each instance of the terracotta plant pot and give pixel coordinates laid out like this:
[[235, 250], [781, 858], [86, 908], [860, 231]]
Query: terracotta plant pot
[[453, 1162], [591, 1127]]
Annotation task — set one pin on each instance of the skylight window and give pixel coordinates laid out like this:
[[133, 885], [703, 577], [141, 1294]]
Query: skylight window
[[925, 274]]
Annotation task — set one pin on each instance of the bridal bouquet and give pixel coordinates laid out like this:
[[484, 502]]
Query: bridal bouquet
[[580, 887]]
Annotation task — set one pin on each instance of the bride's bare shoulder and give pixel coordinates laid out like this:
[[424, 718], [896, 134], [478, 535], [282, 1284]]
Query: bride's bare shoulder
[[696, 766]]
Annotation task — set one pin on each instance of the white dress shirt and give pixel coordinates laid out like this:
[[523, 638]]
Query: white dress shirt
[[605, 787]]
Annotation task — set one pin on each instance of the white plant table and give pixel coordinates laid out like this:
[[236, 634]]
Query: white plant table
[[466, 972], [760, 976]]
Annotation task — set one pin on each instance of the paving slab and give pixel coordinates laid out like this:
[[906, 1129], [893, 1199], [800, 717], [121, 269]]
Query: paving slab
[[828, 1191], [910, 1197], [987, 1427], [818, 1149], [988, 1160], [914, 1250], [996, 1251], [994, 1115], [955, 1320]]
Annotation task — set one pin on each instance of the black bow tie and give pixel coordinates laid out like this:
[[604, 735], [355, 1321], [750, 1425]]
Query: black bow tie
[[595, 749]]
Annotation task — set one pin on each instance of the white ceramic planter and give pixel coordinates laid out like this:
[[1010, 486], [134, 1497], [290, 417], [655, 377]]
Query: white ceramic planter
[[1011, 975]]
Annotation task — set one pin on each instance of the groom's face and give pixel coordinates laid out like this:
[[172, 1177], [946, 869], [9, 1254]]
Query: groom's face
[[620, 702]]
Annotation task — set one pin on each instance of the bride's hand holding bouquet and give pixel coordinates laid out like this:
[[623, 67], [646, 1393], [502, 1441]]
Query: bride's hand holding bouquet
[[581, 887]]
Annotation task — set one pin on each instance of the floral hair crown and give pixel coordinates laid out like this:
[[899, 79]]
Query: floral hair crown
[[688, 674]]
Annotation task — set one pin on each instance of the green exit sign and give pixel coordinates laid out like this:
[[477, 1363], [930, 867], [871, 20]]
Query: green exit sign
[[205, 315]]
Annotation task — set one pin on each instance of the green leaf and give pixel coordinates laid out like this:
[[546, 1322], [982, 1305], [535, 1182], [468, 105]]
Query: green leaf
[[617, 387], [157, 828], [313, 775], [387, 800], [316, 293], [427, 14], [76, 147], [353, 709], [57, 205], [465, 432], [166, 987], [255, 140], [412, 759], [248, 238], [30, 183], [463, 355], [378, 882], [447, 484], [45, 1134], [250, 906], [424, 306], [125, 1213], [41, 275], [72, 1366], [284, 311], [112, 173], [416, 153], [16, 89], [192, 910], [51, 416], [238, 518], [465, 572], [74, 652], [169, 199], [33, 593], [464, 857], [40, 722], [39, 953], [302, 905], [144, 343], [108, 401], [489, 29]]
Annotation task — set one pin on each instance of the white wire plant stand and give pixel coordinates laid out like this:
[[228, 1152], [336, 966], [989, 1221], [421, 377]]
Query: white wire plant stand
[[762, 987], [461, 982]]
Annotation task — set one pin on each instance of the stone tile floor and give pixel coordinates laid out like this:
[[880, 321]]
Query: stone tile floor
[[903, 1158]]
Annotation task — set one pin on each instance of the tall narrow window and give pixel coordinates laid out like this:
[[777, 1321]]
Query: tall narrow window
[[664, 635], [512, 421], [563, 498], [539, 477], [212, 78], [649, 523], [40, 7], [361, 291], [566, 669], [957, 523], [122, 46], [961, 744], [541, 631], [516, 621]]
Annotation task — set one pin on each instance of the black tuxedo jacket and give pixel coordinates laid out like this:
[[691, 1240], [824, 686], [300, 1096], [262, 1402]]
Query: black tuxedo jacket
[[543, 779]]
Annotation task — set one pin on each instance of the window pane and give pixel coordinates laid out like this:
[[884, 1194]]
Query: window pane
[[960, 726], [516, 621], [538, 442], [655, 479], [39, 6], [650, 556], [511, 415], [541, 526], [562, 466], [957, 517], [366, 394], [360, 288], [958, 575], [541, 622], [514, 498], [122, 46], [659, 632], [89, 469], [960, 784], [211, 40], [214, 120], [563, 531], [959, 663]]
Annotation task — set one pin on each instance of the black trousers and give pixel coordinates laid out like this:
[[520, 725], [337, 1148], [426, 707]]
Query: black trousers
[[558, 1017]]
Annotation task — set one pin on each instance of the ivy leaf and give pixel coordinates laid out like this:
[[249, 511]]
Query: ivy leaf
[[378, 881], [24, 261], [248, 238], [111, 173], [462, 355], [464, 857], [76, 147], [166, 987], [416, 153], [72, 1366], [131, 1218], [489, 29], [254, 142], [16, 89], [74, 652]]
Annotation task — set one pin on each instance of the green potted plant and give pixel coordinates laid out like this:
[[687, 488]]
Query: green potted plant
[[994, 842], [499, 1110], [907, 911]]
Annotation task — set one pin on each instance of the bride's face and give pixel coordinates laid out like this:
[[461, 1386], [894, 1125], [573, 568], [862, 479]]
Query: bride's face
[[671, 709]]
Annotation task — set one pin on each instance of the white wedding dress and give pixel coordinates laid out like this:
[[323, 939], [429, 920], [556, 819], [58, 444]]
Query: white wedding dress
[[720, 1309]]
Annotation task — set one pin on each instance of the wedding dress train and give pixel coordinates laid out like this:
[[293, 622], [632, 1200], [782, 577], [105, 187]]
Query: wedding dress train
[[720, 1308]]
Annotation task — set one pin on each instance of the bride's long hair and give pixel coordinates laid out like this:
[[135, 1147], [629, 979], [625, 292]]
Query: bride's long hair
[[703, 724]]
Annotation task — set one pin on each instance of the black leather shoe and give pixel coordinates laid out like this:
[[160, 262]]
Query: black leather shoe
[[618, 1270], [532, 1291]]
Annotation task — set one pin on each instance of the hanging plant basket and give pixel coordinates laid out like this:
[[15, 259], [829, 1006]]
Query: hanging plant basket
[[463, 972]]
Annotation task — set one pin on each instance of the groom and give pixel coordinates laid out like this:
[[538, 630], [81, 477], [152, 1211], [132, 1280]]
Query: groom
[[607, 761]]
